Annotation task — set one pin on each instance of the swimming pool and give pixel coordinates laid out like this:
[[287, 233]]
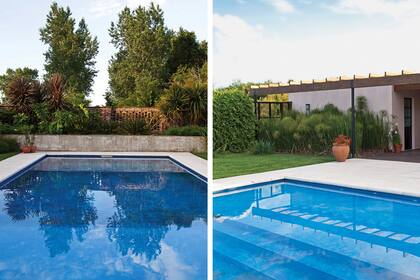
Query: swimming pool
[[103, 218], [298, 230]]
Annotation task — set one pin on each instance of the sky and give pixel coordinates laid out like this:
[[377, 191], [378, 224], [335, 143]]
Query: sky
[[20, 21], [278, 40]]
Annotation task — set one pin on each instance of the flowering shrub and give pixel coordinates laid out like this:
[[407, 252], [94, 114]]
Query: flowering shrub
[[342, 140]]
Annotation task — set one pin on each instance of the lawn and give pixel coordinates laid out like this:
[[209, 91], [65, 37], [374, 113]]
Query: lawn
[[228, 165], [6, 155]]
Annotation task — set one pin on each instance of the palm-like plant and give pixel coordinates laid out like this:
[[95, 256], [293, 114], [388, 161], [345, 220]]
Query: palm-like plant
[[22, 93], [174, 104], [198, 103], [55, 90]]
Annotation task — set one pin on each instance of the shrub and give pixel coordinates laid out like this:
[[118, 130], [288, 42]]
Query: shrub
[[185, 101], [7, 128], [134, 127], [233, 121], [315, 133], [8, 145], [264, 147], [6, 116], [187, 131]]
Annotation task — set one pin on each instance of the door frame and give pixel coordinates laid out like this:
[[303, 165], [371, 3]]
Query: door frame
[[411, 139]]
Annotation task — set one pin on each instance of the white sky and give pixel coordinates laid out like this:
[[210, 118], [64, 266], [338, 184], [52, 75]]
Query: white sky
[[314, 39]]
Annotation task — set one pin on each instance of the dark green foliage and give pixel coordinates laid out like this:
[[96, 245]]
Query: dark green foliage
[[148, 55], [186, 51], [233, 121], [8, 145], [7, 128], [315, 133], [187, 131], [185, 101], [6, 116], [138, 70], [71, 51], [134, 127], [263, 147]]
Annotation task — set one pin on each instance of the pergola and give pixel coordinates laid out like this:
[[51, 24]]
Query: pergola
[[404, 80]]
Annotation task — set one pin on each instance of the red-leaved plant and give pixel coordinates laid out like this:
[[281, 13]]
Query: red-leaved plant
[[342, 140]]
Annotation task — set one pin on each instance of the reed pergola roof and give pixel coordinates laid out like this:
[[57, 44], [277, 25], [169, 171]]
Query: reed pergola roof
[[403, 80]]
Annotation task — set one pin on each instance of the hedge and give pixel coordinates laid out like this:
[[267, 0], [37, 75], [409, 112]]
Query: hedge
[[233, 121]]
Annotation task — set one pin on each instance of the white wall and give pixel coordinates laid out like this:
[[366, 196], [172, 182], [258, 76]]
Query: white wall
[[379, 98]]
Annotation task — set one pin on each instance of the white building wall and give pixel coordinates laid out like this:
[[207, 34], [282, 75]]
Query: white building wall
[[378, 98]]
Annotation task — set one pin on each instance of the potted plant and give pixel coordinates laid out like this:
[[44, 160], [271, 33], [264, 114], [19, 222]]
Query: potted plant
[[28, 145], [32, 143], [341, 148], [396, 140]]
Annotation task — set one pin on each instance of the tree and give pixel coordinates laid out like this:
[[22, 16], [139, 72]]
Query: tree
[[71, 52], [138, 71], [186, 51], [13, 74]]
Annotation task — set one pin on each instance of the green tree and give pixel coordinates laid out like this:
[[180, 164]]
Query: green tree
[[13, 74], [71, 52], [138, 71], [186, 51]]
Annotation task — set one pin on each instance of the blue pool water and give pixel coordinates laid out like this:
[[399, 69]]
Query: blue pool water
[[295, 230], [93, 218]]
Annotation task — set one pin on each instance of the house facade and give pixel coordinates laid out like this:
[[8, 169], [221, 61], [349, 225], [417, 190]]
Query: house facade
[[397, 94]]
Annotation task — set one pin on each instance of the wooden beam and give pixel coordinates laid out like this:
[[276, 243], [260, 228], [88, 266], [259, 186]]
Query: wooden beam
[[406, 79]]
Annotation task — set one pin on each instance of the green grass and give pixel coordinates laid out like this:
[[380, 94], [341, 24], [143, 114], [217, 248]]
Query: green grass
[[7, 155], [228, 165]]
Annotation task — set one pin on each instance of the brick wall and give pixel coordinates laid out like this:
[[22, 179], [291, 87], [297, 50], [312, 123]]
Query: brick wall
[[151, 115]]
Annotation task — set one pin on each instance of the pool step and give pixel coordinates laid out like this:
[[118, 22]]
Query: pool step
[[340, 266], [227, 268], [266, 262]]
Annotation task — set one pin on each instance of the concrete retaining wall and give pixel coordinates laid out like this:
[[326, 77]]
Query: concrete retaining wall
[[117, 143]]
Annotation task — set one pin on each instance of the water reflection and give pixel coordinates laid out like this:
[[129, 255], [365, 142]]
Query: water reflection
[[146, 206], [62, 208]]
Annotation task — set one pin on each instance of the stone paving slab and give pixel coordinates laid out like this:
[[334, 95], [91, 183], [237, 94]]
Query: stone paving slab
[[375, 175]]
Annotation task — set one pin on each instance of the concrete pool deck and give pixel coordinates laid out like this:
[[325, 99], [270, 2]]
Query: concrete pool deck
[[12, 165], [376, 175]]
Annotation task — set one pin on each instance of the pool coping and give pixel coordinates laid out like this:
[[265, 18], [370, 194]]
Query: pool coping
[[399, 178], [12, 167]]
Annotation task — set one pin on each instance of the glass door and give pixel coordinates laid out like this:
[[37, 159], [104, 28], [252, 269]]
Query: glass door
[[408, 123]]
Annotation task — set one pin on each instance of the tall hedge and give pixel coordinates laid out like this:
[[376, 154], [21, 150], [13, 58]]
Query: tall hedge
[[233, 121]]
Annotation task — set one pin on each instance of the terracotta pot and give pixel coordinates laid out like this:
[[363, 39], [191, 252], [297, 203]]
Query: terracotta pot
[[33, 149], [341, 152], [25, 149], [397, 148]]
